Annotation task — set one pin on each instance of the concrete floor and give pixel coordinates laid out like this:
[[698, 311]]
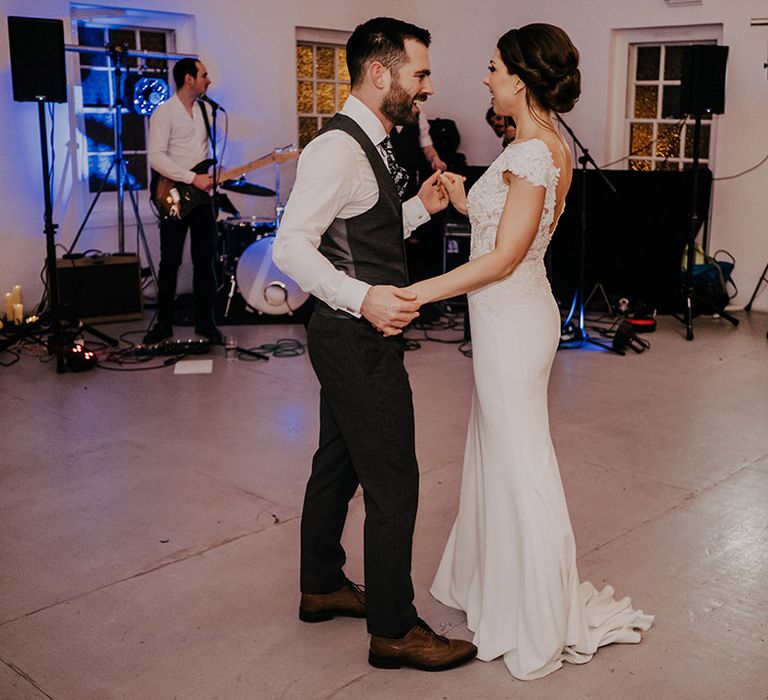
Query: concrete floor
[[149, 524]]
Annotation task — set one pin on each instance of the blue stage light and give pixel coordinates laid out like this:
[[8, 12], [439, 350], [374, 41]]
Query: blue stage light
[[148, 93]]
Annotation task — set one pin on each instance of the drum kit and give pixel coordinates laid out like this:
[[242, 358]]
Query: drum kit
[[245, 255]]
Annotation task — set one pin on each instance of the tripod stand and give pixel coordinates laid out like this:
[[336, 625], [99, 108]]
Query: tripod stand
[[58, 340], [688, 290], [118, 165], [577, 333]]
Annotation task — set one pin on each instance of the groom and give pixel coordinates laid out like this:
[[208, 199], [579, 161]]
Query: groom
[[341, 238]]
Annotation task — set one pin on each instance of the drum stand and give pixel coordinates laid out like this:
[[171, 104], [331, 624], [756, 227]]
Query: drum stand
[[232, 285]]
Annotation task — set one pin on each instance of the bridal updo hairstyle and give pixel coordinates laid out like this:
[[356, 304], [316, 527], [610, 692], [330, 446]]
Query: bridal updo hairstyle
[[547, 62]]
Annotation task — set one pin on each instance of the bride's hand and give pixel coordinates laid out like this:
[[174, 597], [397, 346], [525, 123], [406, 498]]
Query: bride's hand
[[412, 289], [454, 185]]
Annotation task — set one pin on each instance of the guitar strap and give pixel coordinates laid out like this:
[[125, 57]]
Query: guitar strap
[[212, 139], [207, 125]]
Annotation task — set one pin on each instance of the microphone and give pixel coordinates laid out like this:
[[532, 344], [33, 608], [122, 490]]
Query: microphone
[[214, 105]]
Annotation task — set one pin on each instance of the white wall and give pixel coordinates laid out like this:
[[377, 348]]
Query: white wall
[[249, 50]]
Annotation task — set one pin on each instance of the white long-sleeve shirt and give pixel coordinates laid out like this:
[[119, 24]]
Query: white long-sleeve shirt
[[333, 180], [177, 141]]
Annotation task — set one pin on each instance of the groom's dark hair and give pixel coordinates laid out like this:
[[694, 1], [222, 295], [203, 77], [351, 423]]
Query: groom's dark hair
[[381, 39]]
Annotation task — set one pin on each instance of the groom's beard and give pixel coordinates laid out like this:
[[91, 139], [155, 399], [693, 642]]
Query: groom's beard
[[398, 105]]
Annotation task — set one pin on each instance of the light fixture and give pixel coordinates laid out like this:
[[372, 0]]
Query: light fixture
[[148, 93]]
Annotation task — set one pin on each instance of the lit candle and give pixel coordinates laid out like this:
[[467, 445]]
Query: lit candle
[[18, 313], [16, 291], [8, 298]]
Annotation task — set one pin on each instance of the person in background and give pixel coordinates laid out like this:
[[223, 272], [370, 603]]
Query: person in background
[[179, 140], [503, 127], [414, 149], [416, 153]]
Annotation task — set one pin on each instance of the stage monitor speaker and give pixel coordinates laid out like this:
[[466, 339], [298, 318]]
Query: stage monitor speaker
[[456, 250], [101, 288], [38, 70], [702, 79], [456, 242]]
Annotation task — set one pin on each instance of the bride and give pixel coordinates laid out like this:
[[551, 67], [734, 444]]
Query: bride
[[510, 560]]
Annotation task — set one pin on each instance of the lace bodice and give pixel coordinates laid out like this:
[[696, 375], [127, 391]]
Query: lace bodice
[[530, 160]]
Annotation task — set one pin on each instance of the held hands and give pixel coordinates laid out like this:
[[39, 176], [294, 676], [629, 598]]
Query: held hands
[[433, 194], [389, 309], [454, 186], [203, 181]]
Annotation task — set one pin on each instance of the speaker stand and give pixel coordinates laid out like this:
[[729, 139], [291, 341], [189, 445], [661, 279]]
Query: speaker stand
[[689, 293], [59, 341]]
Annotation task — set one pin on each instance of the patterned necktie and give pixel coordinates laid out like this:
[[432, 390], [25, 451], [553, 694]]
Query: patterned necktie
[[398, 173]]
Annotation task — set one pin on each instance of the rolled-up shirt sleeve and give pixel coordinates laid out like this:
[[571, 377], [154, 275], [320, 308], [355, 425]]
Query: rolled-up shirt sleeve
[[326, 179]]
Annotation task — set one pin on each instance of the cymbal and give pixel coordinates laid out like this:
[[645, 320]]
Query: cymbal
[[242, 186]]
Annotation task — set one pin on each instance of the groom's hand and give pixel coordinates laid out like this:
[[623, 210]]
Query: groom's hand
[[389, 309], [433, 194]]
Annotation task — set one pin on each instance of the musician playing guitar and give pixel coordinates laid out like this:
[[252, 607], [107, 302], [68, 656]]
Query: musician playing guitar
[[179, 140]]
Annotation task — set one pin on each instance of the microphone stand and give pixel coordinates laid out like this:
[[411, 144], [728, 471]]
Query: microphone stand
[[580, 334], [214, 110]]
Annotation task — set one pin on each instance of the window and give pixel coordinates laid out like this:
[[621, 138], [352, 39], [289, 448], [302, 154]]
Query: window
[[97, 77], [658, 138], [322, 85]]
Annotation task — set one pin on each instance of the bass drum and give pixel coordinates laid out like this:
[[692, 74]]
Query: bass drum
[[262, 285]]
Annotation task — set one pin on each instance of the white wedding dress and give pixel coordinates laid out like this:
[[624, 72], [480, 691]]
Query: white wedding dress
[[510, 560]]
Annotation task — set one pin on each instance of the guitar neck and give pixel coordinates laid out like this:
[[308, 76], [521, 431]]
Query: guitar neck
[[258, 163]]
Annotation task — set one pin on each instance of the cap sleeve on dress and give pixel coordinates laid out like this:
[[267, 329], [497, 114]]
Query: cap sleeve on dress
[[530, 160]]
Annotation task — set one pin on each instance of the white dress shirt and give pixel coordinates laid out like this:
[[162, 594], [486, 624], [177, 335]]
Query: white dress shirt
[[333, 180], [177, 141]]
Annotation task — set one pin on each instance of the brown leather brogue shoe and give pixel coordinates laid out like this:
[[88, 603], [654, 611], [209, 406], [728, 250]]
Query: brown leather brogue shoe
[[421, 648], [348, 601]]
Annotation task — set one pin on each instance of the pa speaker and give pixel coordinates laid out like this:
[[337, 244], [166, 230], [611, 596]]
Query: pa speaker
[[702, 79], [38, 71]]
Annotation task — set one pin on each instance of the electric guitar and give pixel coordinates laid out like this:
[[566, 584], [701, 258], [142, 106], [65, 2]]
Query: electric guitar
[[174, 200]]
